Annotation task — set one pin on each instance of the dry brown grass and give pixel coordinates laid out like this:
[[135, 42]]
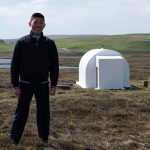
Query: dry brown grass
[[86, 119]]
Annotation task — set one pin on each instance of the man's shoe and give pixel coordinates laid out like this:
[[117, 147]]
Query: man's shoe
[[44, 142], [14, 142]]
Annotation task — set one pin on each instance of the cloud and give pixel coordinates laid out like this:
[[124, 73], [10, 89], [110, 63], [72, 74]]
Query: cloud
[[15, 18], [22, 8], [76, 17]]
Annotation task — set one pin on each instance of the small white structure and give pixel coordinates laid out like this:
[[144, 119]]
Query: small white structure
[[103, 69]]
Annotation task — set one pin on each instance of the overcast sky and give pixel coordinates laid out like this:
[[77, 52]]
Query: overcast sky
[[75, 16]]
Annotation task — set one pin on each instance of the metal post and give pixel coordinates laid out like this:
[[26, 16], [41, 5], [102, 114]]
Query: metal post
[[146, 84]]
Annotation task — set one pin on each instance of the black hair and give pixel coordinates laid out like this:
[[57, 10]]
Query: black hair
[[39, 15]]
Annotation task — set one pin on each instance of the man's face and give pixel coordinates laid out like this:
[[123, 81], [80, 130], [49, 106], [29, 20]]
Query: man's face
[[37, 25]]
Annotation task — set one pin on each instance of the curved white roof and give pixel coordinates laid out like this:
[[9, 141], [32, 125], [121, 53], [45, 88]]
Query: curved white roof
[[96, 52]]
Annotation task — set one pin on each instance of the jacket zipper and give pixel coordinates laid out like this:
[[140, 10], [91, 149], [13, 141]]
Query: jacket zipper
[[36, 44]]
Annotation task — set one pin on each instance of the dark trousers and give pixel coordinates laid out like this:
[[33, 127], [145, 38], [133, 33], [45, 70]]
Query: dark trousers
[[41, 92]]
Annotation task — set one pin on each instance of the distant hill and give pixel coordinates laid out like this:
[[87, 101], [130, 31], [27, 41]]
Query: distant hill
[[2, 41], [55, 37], [70, 36], [80, 36], [126, 43], [10, 40]]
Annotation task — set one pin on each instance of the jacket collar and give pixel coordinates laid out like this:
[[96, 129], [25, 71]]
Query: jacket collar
[[41, 36], [31, 34]]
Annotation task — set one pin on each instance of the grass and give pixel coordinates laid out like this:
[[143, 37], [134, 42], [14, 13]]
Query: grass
[[6, 46], [86, 119], [126, 44]]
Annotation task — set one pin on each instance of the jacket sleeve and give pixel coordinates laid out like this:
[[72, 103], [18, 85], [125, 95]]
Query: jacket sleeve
[[54, 64], [15, 65]]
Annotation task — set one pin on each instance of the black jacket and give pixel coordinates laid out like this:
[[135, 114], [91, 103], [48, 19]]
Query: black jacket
[[33, 60]]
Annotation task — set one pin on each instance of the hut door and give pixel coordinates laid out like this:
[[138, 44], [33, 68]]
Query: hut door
[[110, 72]]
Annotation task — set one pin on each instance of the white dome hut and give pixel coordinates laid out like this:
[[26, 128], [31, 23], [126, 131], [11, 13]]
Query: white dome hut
[[103, 69]]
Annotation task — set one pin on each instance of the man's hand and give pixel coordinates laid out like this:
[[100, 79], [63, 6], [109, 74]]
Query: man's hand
[[52, 91], [17, 91]]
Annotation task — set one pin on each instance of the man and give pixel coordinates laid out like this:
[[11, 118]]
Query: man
[[35, 57]]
